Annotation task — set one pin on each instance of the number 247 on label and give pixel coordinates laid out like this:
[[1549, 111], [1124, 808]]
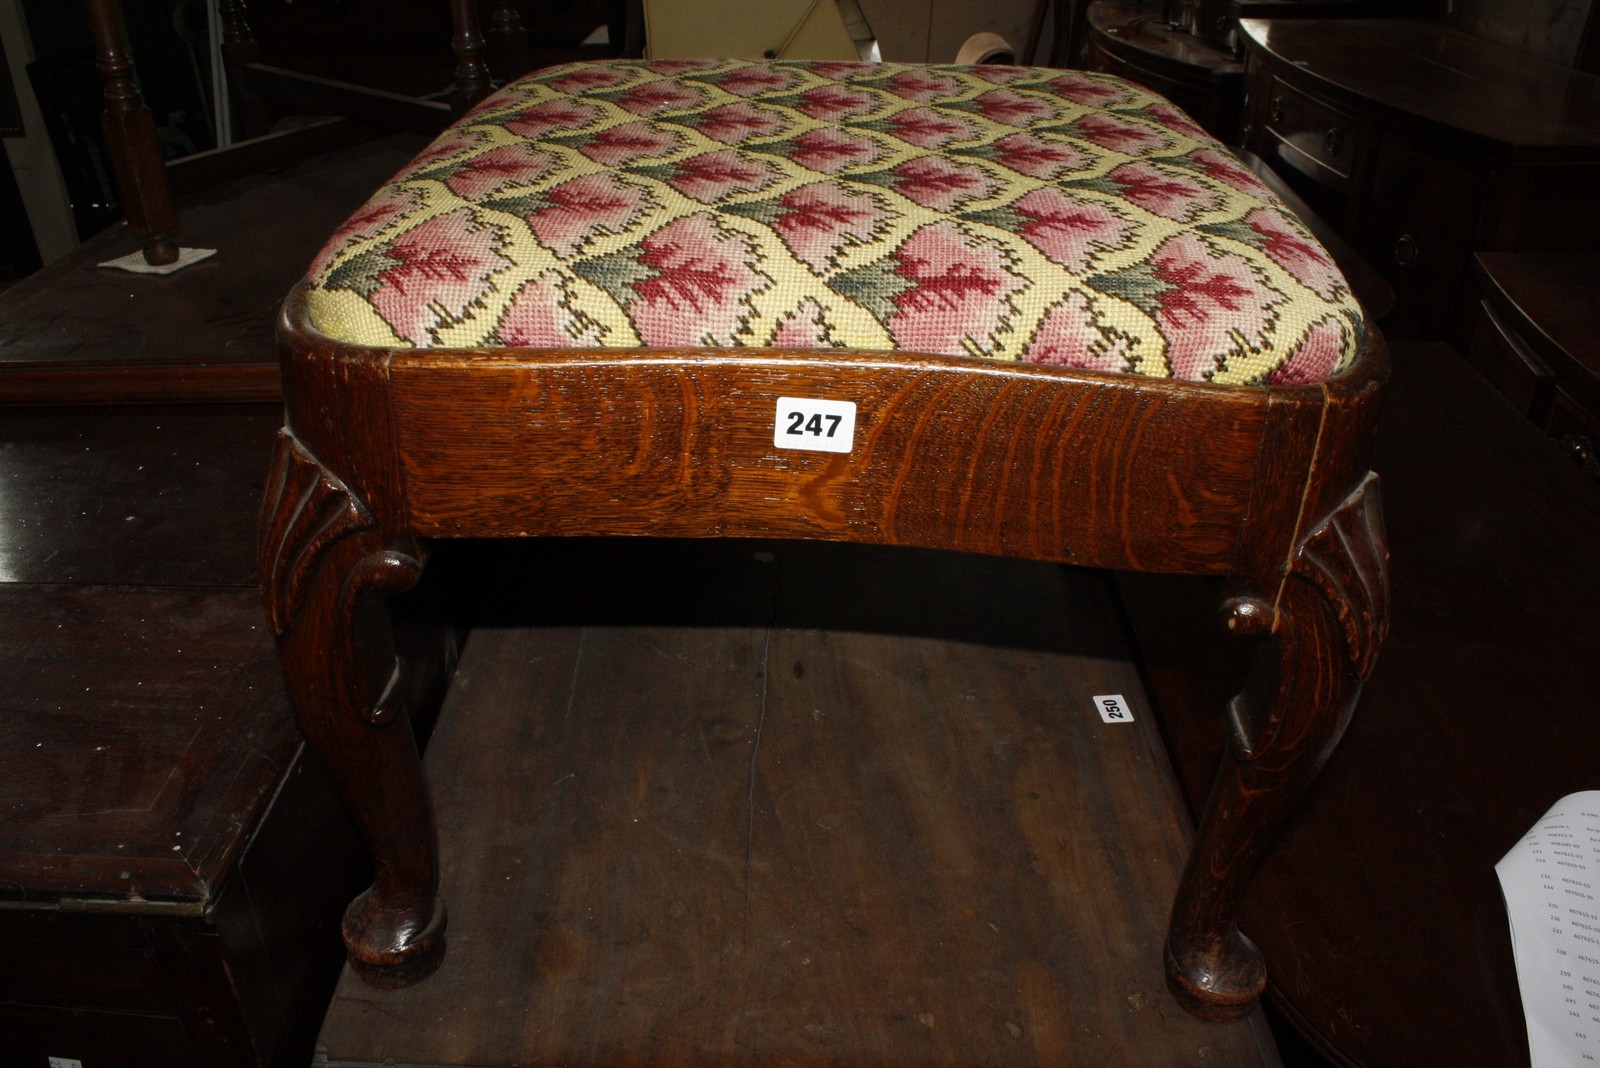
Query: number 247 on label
[[813, 424]]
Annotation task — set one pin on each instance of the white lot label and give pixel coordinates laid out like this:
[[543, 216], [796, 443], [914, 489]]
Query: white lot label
[[817, 425], [64, 1062], [1113, 708]]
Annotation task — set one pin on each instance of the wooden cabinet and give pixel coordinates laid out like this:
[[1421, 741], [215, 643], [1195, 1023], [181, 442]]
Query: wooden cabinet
[[1134, 41], [1423, 146], [173, 865], [1536, 338]]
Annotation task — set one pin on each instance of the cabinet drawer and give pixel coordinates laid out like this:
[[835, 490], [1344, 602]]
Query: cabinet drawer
[[1313, 138], [1502, 356]]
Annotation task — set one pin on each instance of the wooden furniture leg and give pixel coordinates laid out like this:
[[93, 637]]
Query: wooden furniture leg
[[248, 112], [130, 131], [508, 41], [472, 74], [326, 566], [1321, 638]]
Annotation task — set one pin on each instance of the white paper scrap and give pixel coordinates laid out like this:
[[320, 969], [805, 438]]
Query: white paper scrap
[[1551, 882], [134, 261]]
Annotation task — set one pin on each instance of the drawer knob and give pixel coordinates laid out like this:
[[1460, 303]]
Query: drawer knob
[[1405, 250], [1277, 109], [1335, 141]]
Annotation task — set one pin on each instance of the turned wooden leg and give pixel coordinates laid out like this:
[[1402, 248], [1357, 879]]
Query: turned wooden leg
[[1323, 636], [326, 569], [466, 40], [130, 131]]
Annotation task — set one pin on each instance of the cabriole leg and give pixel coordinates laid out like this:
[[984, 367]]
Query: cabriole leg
[[326, 570], [1323, 636]]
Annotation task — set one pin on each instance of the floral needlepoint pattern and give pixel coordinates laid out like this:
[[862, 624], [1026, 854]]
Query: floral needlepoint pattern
[[1072, 230], [819, 220], [1059, 217], [540, 316], [687, 284], [568, 216], [940, 291], [426, 276], [1077, 334]]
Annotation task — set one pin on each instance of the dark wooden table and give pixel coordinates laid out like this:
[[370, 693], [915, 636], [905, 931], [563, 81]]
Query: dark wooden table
[[1380, 912], [78, 333], [171, 865]]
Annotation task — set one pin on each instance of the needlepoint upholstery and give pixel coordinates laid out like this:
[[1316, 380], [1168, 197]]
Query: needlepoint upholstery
[[1013, 213]]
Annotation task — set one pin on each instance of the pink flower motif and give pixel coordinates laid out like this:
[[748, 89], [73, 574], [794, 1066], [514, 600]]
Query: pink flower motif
[[1176, 120], [806, 327], [392, 202], [549, 116], [830, 103], [928, 128], [1092, 89], [831, 151], [589, 76], [841, 70], [1226, 168], [712, 176], [453, 142], [619, 145], [540, 318], [441, 267], [1012, 108], [1030, 154], [755, 78], [1120, 135], [1068, 230], [701, 286], [959, 293], [1296, 252], [657, 96], [673, 66], [999, 74], [733, 124], [820, 219], [1174, 196], [1318, 355], [578, 210], [516, 164], [1215, 307], [941, 184], [1073, 334], [923, 85]]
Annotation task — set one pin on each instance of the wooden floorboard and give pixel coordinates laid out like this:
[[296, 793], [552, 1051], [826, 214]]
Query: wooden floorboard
[[738, 803]]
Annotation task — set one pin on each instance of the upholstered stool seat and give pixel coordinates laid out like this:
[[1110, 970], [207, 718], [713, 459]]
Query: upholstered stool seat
[[998, 309]]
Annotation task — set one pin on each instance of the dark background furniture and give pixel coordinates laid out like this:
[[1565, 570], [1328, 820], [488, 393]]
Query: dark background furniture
[[1424, 145]]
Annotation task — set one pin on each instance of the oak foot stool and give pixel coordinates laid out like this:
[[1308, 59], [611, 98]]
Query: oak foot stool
[[1003, 310]]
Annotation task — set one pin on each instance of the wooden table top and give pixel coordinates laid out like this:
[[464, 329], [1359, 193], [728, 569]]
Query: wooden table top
[[1422, 73]]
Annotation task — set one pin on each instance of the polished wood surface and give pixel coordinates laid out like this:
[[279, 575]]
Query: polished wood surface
[[745, 802], [171, 862], [1552, 302], [77, 333], [385, 449], [1134, 40], [1447, 83], [1422, 146], [1381, 904]]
